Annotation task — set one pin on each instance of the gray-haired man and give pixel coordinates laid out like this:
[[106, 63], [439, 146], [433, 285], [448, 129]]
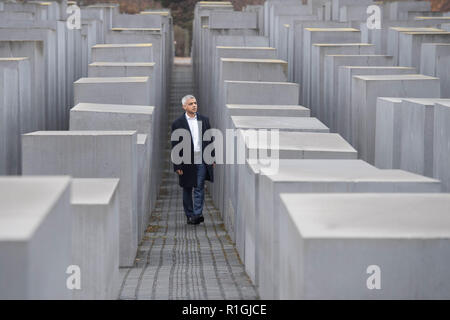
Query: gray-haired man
[[192, 174]]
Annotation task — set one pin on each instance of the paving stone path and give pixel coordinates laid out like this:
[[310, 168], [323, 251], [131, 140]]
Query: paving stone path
[[180, 261]]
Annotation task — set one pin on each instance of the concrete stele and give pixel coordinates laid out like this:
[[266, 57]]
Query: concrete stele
[[391, 232]]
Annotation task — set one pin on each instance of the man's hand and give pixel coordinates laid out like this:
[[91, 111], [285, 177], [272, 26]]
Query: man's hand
[[179, 172]]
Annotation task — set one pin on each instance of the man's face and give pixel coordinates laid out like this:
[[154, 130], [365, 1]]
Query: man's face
[[190, 106]]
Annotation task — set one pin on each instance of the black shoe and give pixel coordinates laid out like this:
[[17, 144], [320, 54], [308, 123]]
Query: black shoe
[[201, 219], [192, 220]]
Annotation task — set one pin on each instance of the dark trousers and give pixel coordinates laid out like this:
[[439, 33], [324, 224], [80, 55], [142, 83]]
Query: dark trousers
[[195, 208]]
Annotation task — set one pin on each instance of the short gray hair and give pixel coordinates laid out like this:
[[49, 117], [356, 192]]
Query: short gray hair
[[186, 98]]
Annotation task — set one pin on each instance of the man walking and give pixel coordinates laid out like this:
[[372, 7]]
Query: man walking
[[192, 174]]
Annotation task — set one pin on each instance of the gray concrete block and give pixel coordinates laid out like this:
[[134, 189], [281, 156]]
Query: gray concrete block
[[258, 92], [410, 46], [441, 146], [337, 4], [232, 20], [88, 116], [115, 90], [321, 35], [91, 154], [95, 237], [266, 110], [34, 51], [417, 130], [344, 114], [52, 34], [241, 41], [280, 123], [35, 237], [144, 196], [388, 133], [331, 66], [315, 176], [123, 52], [391, 231], [121, 69], [295, 50], [398, 10], [318, 53], [137, 21], [292, 145], [254, 69], [15, 106], [127, 69], [366, 89], [435, 61], [353, 13], [379, 37], [229, 177], [393, 38]]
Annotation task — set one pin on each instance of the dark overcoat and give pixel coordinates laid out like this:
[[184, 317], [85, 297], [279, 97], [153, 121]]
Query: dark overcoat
[[189, 177]]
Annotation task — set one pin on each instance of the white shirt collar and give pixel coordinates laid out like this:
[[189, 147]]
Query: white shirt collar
[[189, 118]]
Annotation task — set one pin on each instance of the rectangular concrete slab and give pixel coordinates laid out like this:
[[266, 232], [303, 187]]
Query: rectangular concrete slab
[[232, 20], [410, 45], [331, 65], [227, 180], [417, 133], [388, 133], [280, 123], [435, 61], [441, 146], [259, 92], [318, 53], [344, 115], [91, 154], [91, 116], [267, 110], [35, 237], [292, 145], [95, 237], [115, 90], [321, 35], [123, 52], [366, 89], [371, 233], [34, 51], [325, 176], [393, 38]]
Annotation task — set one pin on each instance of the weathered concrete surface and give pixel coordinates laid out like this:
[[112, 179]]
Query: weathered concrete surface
[[410, 46], [321, 35], [435, 61], [318, 53], [305, 176], [91, 154], [331, 65], [15, 109], [344, 114], [292, 145], [388, 133], [123, 52], [366, 89], [35, 237], [441, 146], [259, 92], [417, 135], [114, 90], [95, 237], [392, 231], [91, 116]]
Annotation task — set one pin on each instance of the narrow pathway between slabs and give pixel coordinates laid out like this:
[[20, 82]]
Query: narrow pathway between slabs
[[180, 261]]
